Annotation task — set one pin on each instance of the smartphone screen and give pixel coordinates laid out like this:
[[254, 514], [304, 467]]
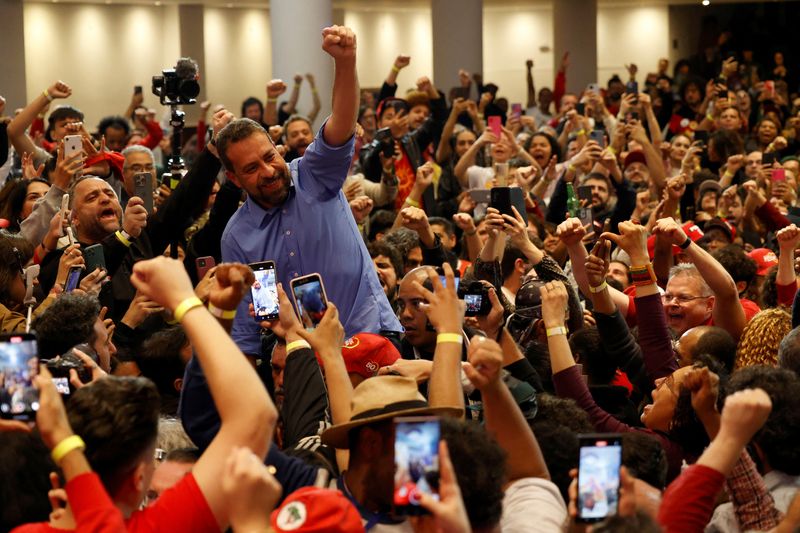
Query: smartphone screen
[[73, 278], [310, 298], [496, 125], [516, 110], [580, 108], [416, 458], [19, 399], [598, 476], [632, 87], [473, 304], [143, 188], [62, 385], [778, 174], [265, 291]]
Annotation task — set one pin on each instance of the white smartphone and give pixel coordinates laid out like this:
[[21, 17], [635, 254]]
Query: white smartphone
[[73, 144], [63, 212], [71, 236], [310, 299]]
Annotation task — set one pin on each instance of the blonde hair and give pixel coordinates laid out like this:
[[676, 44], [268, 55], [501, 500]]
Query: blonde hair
[[761, 338]]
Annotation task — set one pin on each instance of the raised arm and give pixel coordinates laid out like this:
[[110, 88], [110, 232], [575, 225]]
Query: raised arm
[[788, 240], [291, 107], [444, 149], [247, 414], [312, 115], [651, 154], [468, 159], [16, 128], [531, 100], [275, 88], [340, 43], [728, 312]]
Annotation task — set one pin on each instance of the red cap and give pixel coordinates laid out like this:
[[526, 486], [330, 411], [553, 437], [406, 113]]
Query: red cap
[[690, 229], [365, 353], [637, 156], [765, 259], [311, 510]]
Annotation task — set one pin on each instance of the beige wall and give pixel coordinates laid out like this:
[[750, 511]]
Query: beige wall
[[104, 50]]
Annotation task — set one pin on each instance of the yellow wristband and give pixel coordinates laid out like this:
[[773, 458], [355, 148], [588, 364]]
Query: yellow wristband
[[611, 150], [46, 94], [412, 203], [221, 313], [185, 306], [121, 238], [560, 330], [580, 132], [600, 288], [271, 100], [571, 167], [296, 345], [710, 117], [395, 69], [66, 446], [455, 338], [727, 174]]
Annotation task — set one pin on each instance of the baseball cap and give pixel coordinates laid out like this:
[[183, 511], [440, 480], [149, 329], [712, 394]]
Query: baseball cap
[[765, 259], [312, 509], [720, 224], [710, 186], [691, 230], [365, 353], [637, 156]]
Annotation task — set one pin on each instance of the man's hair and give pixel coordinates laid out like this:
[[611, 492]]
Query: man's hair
[[449, 229], [510, 256], [137, 149], [588, 350], [380, 221], [160, 361], [183, 455], [644, 456], [253, 101], [295, 118], [237, 130], [718, 344], [67, 322], [789, 351], [77, 181], [778, 437], [728, 143], [403, 239], [171, 435], [480, 466], [739, 265], [387, 250], [117, 418], [11, 262], [25, 467], [116, 122], [599, 177], [761, 338], [688, 269], [60, 113]]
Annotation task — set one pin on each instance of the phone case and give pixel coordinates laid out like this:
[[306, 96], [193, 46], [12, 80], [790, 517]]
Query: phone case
[[304, 280], [203, 265], [260, 267], [94, 257], [143, 184], [72, 145]]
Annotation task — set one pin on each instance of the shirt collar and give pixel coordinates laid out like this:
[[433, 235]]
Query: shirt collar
[[258, 215]]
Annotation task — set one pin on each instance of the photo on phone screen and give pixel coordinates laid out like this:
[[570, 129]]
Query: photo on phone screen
[[599, 137], [598, 476], [473, 303], [516, 110], [309, 296], [416, 458], [73, 278], [265, 291], [62, 385], [778, 174], [19, 399]]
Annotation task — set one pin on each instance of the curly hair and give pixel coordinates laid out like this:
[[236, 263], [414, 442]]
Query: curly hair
[[777, 439], [67, 322], [761, 338], [12, 200], [15, 252]]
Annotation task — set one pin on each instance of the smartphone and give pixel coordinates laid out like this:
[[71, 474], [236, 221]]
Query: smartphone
[[480, 196], [416, 459], [73, 278], [631, 115], [769, 87], [19, 363], [778, 174], [598, 476], [70, 236], [94, 257], [73, 144], [143, 188], [516, 110], [137, 89], [501, 174], [632, 87], [203, 265], [496, 126], [310, 299], [443, 278], [701, 136], [503, 198], [384, 138], [768, 158], [580, 108], [593, 88], [264, 290], [62, 385], [599, 137], [63, 211]]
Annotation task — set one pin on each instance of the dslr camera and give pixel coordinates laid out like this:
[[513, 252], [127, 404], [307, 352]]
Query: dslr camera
[[178, 86], [476, 296], [384, 139], [61, 366]]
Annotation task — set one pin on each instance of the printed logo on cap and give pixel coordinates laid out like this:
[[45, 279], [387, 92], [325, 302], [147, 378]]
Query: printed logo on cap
[[292, 516], [372, 366], [352, 342]]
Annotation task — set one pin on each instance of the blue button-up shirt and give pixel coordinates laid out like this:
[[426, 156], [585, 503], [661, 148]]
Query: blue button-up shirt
[[313, 231]]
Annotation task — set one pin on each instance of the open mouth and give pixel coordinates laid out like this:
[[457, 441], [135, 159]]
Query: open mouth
[[108, 214]]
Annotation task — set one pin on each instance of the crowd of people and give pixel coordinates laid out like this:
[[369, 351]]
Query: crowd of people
[[618, 261]]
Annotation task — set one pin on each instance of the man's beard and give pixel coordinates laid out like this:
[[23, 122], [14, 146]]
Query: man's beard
[[269, 199]]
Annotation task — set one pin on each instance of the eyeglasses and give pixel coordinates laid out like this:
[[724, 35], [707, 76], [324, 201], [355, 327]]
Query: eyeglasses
[[669, 382], [680, 298]]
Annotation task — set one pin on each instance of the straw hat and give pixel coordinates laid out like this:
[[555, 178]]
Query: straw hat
[[382, 398]]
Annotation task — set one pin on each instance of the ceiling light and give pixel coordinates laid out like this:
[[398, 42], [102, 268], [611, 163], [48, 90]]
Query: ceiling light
[[706, 2]]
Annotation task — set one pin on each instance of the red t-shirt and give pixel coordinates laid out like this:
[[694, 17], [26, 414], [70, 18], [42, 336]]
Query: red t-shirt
[[183, 508]]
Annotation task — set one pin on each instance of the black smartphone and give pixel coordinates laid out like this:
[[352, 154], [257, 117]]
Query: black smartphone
[[443, 278], [385, 140], [599, 137], [580, 108], [585, 193], [632, 87], [143, 188], [19, 364], [264, 291], [137, 89], [768, 158], [73, 278], [503, 198], [94, 257], [310, 299], [416, 459], [598, 476]]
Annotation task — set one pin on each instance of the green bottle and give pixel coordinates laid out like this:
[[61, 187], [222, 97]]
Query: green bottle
[[573, 205]]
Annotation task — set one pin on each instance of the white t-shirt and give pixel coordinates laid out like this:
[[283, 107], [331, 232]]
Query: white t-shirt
[[531, 505]]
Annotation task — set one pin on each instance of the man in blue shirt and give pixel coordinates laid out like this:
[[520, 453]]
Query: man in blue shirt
[[297, 216]]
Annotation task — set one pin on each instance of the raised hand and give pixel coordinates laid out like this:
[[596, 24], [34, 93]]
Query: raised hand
[[329, 333], [788, 238], [59, 89], [668, 229], [361, 207], [448, 512], [163, 280], [250, 490], [230, 283], [704, 386], [94, 281], [744, 413], [51, 418], [28, 170], [402, 61], [555, 301], [339, 42], [140, 309], [415, 219], [298, 79], [485, 362], [597, 263], [444, 310], [135, 218], [632, 239], [465, 222], [275, 88], [571, 231]]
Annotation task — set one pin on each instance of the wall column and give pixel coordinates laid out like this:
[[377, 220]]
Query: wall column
[[575, 31], [12, 60], [457, 40]]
